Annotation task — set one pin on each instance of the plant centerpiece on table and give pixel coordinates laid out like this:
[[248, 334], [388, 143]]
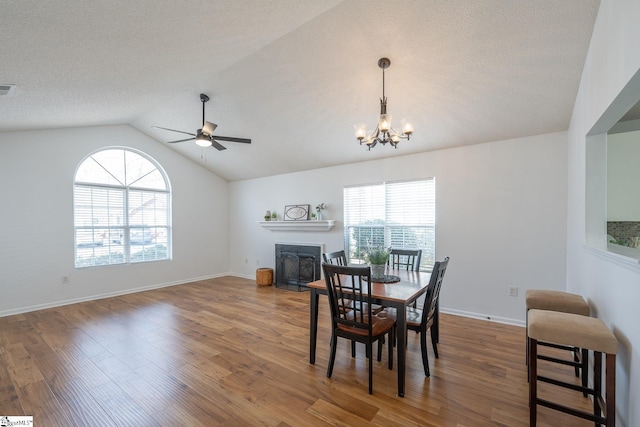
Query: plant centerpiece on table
[[378, 258]]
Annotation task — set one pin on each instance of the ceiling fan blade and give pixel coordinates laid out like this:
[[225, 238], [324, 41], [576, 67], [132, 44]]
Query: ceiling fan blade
[[208, 128], [232, 139], [215, 144], [180, 140], [173, 130]]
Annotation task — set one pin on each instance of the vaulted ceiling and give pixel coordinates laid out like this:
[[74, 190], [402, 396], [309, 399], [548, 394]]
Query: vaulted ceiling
[[295, 75]]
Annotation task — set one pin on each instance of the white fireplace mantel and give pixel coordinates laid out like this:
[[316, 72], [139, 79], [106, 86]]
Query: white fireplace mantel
[[318, 225]]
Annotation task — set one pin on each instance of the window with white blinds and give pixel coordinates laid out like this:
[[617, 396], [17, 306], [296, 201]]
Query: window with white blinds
[[400, 215], [121, 207]]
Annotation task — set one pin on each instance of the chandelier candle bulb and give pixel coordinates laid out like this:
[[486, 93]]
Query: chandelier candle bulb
[[361, 131]]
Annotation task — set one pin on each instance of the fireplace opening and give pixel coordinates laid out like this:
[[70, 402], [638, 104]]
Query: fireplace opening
[[297, 265]]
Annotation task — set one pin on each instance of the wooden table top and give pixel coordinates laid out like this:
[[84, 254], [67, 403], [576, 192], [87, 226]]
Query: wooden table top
[[410, 284]]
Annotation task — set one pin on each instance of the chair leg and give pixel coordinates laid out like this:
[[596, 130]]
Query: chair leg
[[353, 348], [434, 342], [332, 355], [380, 342], [370, 362], [425, 357], [392, 339]]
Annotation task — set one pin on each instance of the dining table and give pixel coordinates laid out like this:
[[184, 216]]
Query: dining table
[[398, 295]]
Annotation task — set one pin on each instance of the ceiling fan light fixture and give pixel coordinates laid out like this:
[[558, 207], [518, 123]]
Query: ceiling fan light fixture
[[203, 140], [208, 128]]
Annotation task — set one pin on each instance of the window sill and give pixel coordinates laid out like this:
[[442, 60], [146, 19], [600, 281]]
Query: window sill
[[320, 225], [620, 255]]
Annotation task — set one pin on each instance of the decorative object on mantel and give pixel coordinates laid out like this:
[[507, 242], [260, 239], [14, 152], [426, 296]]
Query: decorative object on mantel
[[313, 216], [267, 216], [274, 216], [383, 132], [319, 210], [296, 212]]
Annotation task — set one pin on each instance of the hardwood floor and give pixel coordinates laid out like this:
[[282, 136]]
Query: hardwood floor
[[227, 352]]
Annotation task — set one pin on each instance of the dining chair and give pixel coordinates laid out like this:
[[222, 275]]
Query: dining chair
[[339, 258], [405, 259], [335, 258], [349, 290], [420, 320]]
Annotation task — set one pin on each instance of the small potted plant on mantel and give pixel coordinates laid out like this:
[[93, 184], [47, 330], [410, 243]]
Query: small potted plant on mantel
[[274, 216]]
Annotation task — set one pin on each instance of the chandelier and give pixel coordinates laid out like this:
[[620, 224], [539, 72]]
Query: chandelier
[[383, 132]]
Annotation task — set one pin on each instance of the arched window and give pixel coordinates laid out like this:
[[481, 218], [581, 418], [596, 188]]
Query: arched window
[[121, 209]]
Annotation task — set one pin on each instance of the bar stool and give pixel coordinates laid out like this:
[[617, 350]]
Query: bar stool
[[578, 331], [564, 302]]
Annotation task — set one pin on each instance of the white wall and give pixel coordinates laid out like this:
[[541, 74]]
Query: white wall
[[500, 216], [613, 290], [36, 213]]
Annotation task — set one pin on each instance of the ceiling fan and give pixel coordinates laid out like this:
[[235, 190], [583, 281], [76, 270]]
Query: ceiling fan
[[204, 137]]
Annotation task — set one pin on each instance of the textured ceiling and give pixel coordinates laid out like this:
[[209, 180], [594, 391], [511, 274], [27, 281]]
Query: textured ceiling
[[295, 75]]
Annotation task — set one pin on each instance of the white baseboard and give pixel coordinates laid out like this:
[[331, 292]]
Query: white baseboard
[[489, 317], [105, 295]]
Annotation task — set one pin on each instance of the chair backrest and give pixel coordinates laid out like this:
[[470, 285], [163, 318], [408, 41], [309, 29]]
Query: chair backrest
[[335, 258], [349, 290], [433, 291], [405, 259]]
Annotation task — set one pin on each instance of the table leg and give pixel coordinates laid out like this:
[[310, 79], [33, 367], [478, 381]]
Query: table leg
[[401, 336], [313, 326]]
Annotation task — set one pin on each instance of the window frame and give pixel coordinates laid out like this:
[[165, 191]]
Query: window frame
[[94, 252], [381, 231]]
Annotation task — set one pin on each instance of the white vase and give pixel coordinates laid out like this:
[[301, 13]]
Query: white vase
[[319, 216]]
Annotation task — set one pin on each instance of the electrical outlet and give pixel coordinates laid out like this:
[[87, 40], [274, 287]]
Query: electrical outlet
[[65, 279], [257, 262], [246, 260], [513, 291]]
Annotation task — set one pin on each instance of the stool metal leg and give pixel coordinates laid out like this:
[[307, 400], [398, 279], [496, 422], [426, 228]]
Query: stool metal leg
[[532, 346], [597, 383], [585, 369], [611, 390]]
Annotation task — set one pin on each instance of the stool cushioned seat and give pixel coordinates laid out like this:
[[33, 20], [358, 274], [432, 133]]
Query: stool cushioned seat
[[571, 329], [539, 299]]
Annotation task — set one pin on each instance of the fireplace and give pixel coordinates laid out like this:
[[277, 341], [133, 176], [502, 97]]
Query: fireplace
[[297, 265]]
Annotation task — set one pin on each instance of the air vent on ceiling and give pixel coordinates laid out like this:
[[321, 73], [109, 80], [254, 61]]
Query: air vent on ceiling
[[7, 90]]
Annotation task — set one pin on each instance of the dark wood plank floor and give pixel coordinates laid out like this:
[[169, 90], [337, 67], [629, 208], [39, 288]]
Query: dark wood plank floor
[[227, 352]]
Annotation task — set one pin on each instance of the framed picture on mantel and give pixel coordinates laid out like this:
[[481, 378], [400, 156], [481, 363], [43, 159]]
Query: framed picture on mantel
[[296, 212]]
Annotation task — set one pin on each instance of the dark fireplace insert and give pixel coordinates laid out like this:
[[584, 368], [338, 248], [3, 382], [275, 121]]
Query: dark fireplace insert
[[297, 265]]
